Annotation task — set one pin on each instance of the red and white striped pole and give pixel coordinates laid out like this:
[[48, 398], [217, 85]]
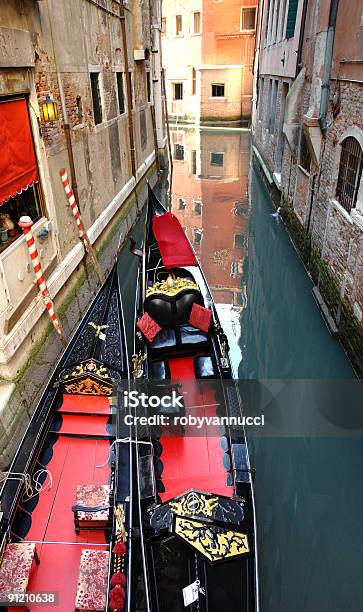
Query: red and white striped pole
[[26, 223], [81, 231]]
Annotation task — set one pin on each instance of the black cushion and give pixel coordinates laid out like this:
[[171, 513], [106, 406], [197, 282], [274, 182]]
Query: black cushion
[[159, 370], [165, 338], [192, 335]]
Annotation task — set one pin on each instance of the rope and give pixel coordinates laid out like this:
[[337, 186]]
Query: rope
[[31, 488], [123, 441]]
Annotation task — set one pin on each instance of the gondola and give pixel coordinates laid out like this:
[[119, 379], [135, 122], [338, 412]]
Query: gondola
[[196, 495], [66, 501]]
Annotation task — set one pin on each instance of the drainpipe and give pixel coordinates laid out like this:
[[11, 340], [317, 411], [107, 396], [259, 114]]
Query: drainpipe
[[128, 91], [328, 60]]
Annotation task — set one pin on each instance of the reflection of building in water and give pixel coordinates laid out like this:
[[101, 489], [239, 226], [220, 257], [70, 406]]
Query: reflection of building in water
[[210, 198]]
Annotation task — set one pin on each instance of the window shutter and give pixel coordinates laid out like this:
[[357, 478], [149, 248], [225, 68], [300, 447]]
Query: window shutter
[[291, 18]]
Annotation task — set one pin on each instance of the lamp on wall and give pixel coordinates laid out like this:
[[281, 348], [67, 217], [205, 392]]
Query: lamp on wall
[[49, 108]]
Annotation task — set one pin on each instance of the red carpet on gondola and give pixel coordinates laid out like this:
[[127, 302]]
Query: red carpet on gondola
[[193, 460]]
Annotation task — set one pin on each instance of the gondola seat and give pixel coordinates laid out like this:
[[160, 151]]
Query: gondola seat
[[204, 366], [92, 507], [92, 581], [16, 566], [166, 338]]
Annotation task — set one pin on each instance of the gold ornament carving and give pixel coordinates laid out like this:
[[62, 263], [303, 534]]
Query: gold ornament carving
[[211, 541], [171, 286], [193, 504], [88, 386]]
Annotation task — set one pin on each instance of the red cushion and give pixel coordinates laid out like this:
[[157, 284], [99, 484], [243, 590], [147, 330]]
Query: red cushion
[[200, 317], [148, 326]]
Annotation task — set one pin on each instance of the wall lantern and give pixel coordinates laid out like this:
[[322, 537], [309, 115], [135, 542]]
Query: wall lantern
[[49, 108]]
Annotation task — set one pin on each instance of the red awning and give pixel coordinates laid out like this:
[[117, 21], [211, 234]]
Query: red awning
[[174, 246], [18, 168]]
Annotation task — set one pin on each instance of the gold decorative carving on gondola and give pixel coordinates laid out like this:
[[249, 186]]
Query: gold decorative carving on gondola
[[214, 543], [98, 328], [137, 365], [194, 504], [171, 286], [88, 386], [89, 367]]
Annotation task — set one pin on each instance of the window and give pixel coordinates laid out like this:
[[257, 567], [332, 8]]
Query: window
[[194, 162], [291, 18], [163, 25], [179, 151], [96, 97], [198, 208], [179, 25], [350, 173], [196, 23], [305, 159], [197, 235], [272, 106], [260, 100], [194, 81], [131, 89], [181, 204], [248, 18], [27, 202], [148, 85], [216, 159], [239, 241], [178, 91], [218, 90], [120, 92]]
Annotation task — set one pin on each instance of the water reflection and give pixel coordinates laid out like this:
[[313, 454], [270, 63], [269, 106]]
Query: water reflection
[[210, 198], [308, 501]]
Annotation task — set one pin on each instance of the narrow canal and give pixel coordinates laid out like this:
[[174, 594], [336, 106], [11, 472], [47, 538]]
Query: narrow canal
[[308, 492]]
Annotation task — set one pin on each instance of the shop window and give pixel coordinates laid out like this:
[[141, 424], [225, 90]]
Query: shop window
[[179, 25], [178, 91], [196, 23], [96, 97], [305, 158], [248, 18], [26, 203], [350, 173], [216, 159], [179, 152], [20, 191], [218, 90], [120, 92]]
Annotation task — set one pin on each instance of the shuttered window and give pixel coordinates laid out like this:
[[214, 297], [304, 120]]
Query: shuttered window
[[350, 173], [291, 18]]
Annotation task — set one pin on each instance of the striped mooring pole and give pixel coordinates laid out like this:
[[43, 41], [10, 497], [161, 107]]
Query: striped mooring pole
[[81, 231], [26, 223]]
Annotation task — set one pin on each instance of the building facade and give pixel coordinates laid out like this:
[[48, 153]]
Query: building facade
[[101, 64], [208, 51], [308, 139]]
